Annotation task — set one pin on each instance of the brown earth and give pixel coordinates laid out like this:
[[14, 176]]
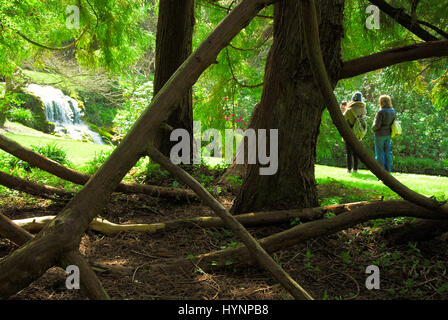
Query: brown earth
[[331, 267]]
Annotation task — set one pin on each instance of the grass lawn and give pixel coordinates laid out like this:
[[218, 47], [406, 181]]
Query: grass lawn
[[365, 180], [366, 184], [77, 152]]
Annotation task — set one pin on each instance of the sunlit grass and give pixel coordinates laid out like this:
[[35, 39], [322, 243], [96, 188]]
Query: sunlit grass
[[365, 180], [79, 153]]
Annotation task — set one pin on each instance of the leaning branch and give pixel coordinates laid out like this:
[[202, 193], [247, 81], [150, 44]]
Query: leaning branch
[[32, 188], [254, 248], [321, 77], [433, 27], [352, 68], [74, 176]]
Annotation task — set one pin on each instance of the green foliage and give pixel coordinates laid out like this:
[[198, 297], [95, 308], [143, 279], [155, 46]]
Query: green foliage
[[8, 101], [100, 114], [136, 99], [113, 38], [224, 95], [346, 257], [53, 152], [50, 151], [21, 115], [307, 260], [236, 181], [99, 158]]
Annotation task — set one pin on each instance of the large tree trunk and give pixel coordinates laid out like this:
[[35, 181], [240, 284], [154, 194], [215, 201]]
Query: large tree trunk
[[292, 103], [173, 46]]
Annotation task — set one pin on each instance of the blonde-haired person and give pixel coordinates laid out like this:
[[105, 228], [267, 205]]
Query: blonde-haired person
[[382, 126]]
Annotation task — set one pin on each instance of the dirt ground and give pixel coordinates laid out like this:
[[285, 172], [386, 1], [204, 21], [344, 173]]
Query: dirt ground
[[332, 267]]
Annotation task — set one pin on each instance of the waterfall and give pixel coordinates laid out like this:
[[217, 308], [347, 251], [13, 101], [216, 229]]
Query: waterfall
[[64, 112]]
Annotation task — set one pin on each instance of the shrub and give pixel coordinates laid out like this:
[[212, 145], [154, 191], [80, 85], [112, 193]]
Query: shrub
[[97, 161], [21, 115], [6, 101], [53, 152]]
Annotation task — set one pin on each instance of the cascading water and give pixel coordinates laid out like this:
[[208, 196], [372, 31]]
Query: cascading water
[[64, 112]]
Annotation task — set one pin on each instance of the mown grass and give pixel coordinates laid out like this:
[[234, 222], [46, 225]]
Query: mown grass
[[365, 181], [78, 153]]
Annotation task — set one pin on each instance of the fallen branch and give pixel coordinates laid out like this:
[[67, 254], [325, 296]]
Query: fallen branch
[[74, 176], [254, 248], [418, 230], [302, 232], [36, 224], [32, 188]]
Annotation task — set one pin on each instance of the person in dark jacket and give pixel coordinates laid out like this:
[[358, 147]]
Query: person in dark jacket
[[355, 108], [382, 126]]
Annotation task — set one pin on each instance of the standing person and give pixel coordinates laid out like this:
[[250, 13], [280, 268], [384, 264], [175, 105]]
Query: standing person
[[355, 109], [343, 106], [382, 128]]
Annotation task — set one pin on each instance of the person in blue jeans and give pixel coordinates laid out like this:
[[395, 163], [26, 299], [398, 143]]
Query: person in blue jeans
[[382, 126]]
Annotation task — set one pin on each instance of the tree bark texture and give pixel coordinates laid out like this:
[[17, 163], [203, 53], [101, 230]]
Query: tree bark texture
[[292, 103], [173, 46]]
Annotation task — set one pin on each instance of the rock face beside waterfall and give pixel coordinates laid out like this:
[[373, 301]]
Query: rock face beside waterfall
[[37, 107], [57, 113]]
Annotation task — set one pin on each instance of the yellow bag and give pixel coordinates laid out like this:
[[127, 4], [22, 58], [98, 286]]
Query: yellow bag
[[396, 129]]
